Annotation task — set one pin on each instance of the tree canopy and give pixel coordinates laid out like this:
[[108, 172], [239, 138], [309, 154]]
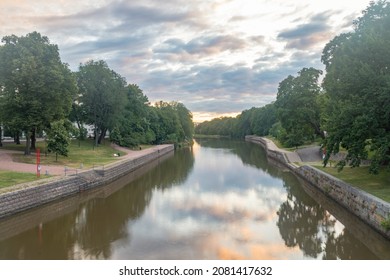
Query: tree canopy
[[298, 107], [36, 87], [358, 86], [102, 96]]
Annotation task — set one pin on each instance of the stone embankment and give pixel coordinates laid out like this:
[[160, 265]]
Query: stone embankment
[[22, 199], [370, 209]]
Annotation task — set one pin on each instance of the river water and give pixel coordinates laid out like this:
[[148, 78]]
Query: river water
[[221, 199]]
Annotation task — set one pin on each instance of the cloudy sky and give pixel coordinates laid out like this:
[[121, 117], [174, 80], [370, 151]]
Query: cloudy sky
[[217, 57]]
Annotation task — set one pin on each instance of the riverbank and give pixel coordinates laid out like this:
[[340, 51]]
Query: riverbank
[[372, 210], [29, 196]]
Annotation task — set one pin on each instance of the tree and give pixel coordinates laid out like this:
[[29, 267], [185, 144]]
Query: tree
[[298, 108], [357, 83], [168, 128], [102, 96], [185, 118], [263, 119], [133, 127], [36, 87], [58, 139]]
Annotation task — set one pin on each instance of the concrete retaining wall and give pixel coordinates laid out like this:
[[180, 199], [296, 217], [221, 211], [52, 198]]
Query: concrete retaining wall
[[367, 207], [20, 200], [272, 153]]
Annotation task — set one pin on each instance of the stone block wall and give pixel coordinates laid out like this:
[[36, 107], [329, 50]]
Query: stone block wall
[[23, 199], [272, 153], [372, 210], [364, 205]]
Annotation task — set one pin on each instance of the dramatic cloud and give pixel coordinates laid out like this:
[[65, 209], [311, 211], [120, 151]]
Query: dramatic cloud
[[217, 58], [309, 35]]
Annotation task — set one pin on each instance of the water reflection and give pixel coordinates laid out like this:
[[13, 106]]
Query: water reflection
[[89, 231], [219, 200]]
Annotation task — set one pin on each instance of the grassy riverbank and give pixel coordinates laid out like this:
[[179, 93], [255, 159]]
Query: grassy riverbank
[[10, 178], [81, 154], [377, 185]]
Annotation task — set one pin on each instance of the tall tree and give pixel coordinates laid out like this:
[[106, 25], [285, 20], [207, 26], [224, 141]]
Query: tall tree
[[133, 127], [36, 87], [358, 85], [185, 118], [298, 107], [102, 97]]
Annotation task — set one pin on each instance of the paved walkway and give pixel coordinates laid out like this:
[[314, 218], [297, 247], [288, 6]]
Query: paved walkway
[[291, 156], [310, 154], [6, 162]]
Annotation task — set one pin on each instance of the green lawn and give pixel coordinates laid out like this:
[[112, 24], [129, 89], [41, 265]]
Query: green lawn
[[378, 185], [10, 178], [82, 152]]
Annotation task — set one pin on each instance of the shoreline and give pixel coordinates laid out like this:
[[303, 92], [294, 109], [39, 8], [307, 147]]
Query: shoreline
[[29, 196], [370, 209]]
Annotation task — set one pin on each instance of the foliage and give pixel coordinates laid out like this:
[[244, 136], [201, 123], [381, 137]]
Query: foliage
[[357, 85], [298, 108], [166, 122], [102, 96], [37, 88], [253, 121], [171, 122], [58, 139], [386, 223], [133, 126], [223, 126]]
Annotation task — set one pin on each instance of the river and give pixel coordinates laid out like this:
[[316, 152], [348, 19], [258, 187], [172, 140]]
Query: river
[[221, 199]]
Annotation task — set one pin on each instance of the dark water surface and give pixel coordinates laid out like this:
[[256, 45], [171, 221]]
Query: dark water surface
[[219, 200]]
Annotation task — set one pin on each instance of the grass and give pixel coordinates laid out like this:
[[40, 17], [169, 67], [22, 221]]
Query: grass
[[377, 185], [206, 136], [10, 178], [81, 153]]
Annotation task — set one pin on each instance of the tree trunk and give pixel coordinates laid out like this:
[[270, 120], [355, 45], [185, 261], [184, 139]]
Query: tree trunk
[[102, 135], [17, 138], [1, 137], [28, 140], [33, 138], [96, 136]]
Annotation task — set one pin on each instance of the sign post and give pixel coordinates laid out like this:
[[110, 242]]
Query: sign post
[[38, 162]]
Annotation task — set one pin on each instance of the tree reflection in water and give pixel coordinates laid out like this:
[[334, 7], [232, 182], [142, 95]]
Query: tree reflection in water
[[107, 223], [89, 231], [304, 223]]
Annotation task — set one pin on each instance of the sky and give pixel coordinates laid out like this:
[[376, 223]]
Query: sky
[[216, 57]]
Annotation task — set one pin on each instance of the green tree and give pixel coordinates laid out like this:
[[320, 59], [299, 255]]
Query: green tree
[[36, 87], [171, 122], [58, 139], [298, 108], [185, 118], [223, 126], [102, 96], [133, 127], [357, 83], [263, 119]]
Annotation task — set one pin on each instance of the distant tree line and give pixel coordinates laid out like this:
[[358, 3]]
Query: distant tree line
[[39, 93], [349, 109]]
